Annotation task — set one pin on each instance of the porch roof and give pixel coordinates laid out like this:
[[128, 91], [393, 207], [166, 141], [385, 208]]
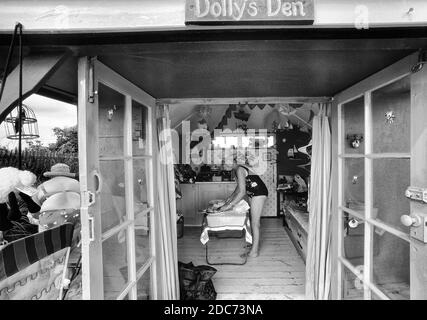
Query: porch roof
[[256, 62]]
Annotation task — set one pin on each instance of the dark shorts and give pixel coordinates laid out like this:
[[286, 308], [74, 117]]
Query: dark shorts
[[255, 186]]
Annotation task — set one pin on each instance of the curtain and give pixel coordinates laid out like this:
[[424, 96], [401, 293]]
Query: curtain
[[318, 263], [167, 253]]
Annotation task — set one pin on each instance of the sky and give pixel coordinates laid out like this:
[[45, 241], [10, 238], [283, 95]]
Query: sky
[[50, 113]]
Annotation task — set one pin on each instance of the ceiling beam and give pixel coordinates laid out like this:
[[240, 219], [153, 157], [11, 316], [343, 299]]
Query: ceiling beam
[[145, 49], [243, 100], [185, 34], [58, 94]]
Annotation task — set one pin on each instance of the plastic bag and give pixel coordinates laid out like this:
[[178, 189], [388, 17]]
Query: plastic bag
[[195, 282]]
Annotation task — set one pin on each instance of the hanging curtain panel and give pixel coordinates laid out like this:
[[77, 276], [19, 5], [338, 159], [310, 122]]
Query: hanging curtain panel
[[167, 251], [318, 264]]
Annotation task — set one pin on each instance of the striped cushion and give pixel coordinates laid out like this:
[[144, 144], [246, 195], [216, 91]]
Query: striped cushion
[[22, 253]]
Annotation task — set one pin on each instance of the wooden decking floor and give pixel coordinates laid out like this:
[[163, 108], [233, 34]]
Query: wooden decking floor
[[277, 273]]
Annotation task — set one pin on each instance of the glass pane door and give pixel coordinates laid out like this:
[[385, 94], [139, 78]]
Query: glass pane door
[[374, 172], [391, 176], [118, 255], [113, 193]]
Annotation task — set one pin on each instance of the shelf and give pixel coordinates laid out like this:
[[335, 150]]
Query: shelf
[[293, 193], [301, 217]]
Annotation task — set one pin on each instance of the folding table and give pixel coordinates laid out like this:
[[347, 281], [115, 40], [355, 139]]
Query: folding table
[[213, 223]]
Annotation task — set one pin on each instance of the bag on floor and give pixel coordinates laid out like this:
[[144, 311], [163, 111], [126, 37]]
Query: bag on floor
[[195, 282]]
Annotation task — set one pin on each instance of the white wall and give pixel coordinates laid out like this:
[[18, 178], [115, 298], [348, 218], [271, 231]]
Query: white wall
[[131, 14]]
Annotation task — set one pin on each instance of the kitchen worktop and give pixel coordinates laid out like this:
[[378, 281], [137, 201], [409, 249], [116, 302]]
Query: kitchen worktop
[[213, 182], [196, 197], [203, 182]]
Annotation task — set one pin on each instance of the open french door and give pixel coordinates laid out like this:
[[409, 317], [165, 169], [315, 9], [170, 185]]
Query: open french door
[[115, 125], [382, 186]]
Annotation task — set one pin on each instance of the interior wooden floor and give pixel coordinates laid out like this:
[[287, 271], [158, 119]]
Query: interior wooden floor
[[277, 273]]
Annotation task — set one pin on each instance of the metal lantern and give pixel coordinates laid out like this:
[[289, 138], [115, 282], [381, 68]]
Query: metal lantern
[[25, 129]]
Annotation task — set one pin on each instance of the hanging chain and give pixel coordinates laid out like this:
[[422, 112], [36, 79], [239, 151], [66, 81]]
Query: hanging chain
[[20, 100], [18, 27], [9, 57]]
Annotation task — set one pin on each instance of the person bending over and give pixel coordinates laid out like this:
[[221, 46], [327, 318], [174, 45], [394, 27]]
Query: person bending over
[[249, 183]]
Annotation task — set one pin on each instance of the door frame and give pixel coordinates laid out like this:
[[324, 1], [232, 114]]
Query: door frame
[[364, 89], [90, 72]]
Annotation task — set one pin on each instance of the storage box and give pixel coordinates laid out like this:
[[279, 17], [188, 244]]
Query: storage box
[[226, 219]]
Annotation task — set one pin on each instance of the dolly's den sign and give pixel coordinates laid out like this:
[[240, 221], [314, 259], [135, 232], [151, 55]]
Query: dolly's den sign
[[249, 12]]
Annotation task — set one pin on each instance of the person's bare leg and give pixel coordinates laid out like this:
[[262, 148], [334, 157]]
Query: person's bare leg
[[257, 203]]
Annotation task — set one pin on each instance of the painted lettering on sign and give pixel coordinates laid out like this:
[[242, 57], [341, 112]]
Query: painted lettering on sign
[[222, 11]]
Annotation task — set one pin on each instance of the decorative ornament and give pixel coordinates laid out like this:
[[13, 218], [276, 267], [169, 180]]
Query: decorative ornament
[[390, 116], [355, 144], [286, 109], [241, 113], [243, 127], [355, 140], [292, 152], [204, 111], [274, 125], [110, 113], [353, 223]]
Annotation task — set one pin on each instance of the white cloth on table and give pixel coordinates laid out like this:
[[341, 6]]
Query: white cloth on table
[[241, 207], [230, 220]]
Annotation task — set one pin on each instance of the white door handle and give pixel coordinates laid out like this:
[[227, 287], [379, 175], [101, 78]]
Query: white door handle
[[99, 181], [410, 220]]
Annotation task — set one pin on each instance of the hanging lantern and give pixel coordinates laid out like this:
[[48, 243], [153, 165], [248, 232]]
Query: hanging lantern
[[27, 127]]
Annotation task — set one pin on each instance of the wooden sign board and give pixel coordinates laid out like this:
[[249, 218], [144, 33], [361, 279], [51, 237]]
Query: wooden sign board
[[249, 12]]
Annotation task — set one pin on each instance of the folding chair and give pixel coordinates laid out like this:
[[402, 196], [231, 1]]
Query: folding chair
[[35, 267]]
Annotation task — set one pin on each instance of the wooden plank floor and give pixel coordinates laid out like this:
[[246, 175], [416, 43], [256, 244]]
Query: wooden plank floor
[[277, 273]]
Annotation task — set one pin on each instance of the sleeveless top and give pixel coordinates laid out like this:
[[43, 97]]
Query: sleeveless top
[[254, 184]]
